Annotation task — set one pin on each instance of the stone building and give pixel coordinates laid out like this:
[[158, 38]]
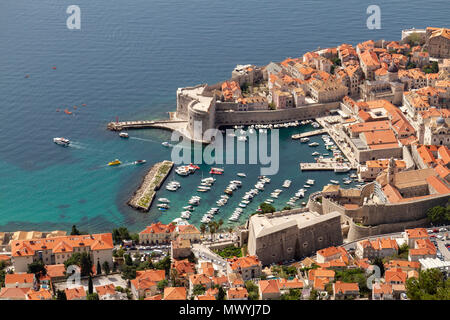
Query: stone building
[[291, 234], [437, 41]]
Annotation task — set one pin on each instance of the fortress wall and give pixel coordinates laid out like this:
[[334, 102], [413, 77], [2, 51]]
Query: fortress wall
[[274, 116], [294, 243], [387, 214], [357, 232], [364, 155]]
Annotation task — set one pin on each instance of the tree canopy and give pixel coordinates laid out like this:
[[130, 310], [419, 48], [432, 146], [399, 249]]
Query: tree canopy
[[431, 285]]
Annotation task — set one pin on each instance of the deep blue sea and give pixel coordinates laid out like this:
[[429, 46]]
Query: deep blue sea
[[127, 61]]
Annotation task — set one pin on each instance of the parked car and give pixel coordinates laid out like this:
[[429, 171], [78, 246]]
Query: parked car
[[442, 229]]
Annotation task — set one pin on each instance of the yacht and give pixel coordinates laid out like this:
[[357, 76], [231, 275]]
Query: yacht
[[334, 181], [315, 153], [186, 215], [216, 171], [140, 162], [62, 141], [163, 205], [304, 139], [310, 181], [124, 135], [164, 200], [313, 144], [241, 174]]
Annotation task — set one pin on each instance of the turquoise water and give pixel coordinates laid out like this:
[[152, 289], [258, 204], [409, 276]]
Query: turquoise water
[[127, 60]]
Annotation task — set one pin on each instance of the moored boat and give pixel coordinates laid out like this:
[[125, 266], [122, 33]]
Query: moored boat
[[61, 141]]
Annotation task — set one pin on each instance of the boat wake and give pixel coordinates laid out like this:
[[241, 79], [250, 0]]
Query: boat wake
[[142, 139], [77, 145]]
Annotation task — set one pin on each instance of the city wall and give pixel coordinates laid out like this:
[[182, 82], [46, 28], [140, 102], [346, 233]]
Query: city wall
[[227, 118]]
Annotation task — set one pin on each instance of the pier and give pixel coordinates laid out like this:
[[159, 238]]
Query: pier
[[147, 124], [143, 197], [323, 166], [309, 134]]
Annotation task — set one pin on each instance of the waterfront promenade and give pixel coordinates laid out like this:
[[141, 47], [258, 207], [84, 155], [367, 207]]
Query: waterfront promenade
[[309, 134]]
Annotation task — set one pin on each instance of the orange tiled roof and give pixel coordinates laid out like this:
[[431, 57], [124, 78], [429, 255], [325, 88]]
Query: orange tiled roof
[[269, 286], [56, 270], [42, 294], [183, 267], [206, 297], [148, 278], [202, 279], [442, 171], [370, 59], [20, 278], [188, 229], [244, 262], [155, 297], [102, 241], [402, 264], [444, 154], [438, 185], [237, 293], [174, 293], [343, 287], [290, 284], [13, 293], [395, 275], [159, 228], [106, 289], [75, 293], [384, 163], [382, 288]]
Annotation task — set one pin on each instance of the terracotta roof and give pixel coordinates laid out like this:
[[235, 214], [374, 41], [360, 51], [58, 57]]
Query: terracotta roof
[[75, 293], [188, 229], [202, 279], [395, 275], [237, 293], [402, 264], [370, 126], [382, 288], [13, 293], [42, 294], [290, 284], [442, 171], [62, 244], [206, 297], [174, 293], [343, 287], [244, 262], [21, 278], [417, 233], [106, 289], [438, 185], [183, 267], [269, 286], [148, 278], [159, 228], [56, 270], [328, 252]]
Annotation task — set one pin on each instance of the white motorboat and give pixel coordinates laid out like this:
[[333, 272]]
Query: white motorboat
[[313, 144], [304, 139], [310, 181], [287, 183], [124, 135], [343, 168], [334, 181], [166, 144], [62, 141], [241, 174], [164, 200], [315, 153]]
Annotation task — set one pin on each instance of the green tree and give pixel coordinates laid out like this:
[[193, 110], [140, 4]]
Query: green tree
[[431, 285], [313, 295], [106, 267], [61, 295], [99, 267], [198, 290], [252, 289], [294, 294], [221, 294], [413, 39], [162, 284], [90, 285], [163, 264], [38, 268], [92, 296], [128, 260], [272, 106], [267, 208], [120, 234], [128, 272], [438, 215], [75, 231], [203, 228], [287, 208], [83, 260]]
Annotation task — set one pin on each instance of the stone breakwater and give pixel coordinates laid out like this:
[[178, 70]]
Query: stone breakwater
[[142, 199]]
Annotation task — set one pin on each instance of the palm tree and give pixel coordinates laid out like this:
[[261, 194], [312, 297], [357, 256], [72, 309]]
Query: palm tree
[[212, 228], [202, 228], [220, 223]]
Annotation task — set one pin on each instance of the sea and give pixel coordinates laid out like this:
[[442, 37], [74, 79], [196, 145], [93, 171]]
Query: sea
[[126, 62]]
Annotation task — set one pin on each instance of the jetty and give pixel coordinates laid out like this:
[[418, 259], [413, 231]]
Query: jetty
[[322, 166], [147, 124], [309, 134], [142, 199]]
